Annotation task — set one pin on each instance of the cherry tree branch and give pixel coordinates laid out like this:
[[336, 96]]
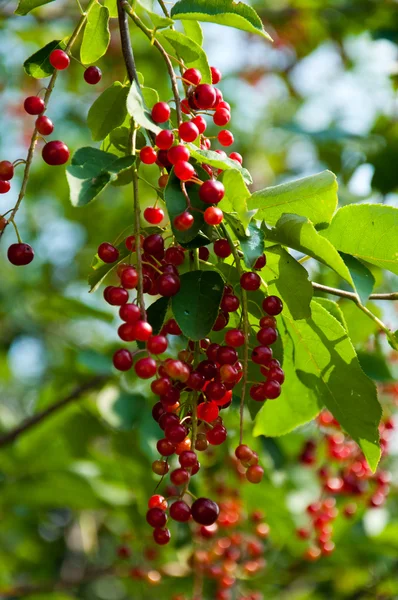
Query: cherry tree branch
[[11, 436]]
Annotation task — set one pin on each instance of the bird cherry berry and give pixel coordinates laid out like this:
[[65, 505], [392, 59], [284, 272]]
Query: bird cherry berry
[[211, 191], [178, 153], [180, 511], [6, 170], [161, 536], [205, 96], [5, 186], [55, 153], [260, 262], [142, 331], [217, 435], [129, 278], [184, 221], [222, 249], [157, 501], [107, 252], [267, 336], [188, 131], [200, 123], [261, 355], [183, 170], [208, 411], [213, 215], [92, 75], [148, 155], [250, 281], [168, 285], [272, 389], [145, 368], [153, 215], [215, 75], [59, 59], [192, 76], [272, 305], [156, 517], [204, 511], [221, 117], [244, 453], [204, 253], [164, 139], [122, 360], [154, 245], [34, 105], [175, 432], [187, 459], [237, 157], [175, 256], [165, 447], [157, 344], [44, 125], [20, 254], [180, 476], [161, 112], [235, 338], [225, 138]]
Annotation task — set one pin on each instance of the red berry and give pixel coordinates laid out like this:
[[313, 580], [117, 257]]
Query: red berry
[[261, 355], [161, 112], [205, 96], [174, 256], [148, 155], [122, 360], [211, 191], [250, 281], [267, 336], [168, 285], [175, 432], [215, 75], [272, 305], [196, 381], [188, 131], [59, 59], [20, 254], [177, 153], [221, 117], [5, 186], [157, 501], [193, 76], [216, 436], [222, 248], [187, 459], [55, 153], [260, 262], [183, 170], [221, 321], [153, 215], [225, 138], [254, 474], [107, 252], [34, 105], [268, 322], [213, 215], [257, 393], [171, 327], [165, 447], [129, 278], [200, 123], [92, 75], [6, 170], [142, 331], [44, 125], [272, 389], [154, 245], [116, 296], [208, 411], [156, 517], [226, 355], [162, 181], [162, 160], [235, 338], [179, 476], [180, 511], [215, 390], [243, 453], [161, 536], [185, 106], [276, 374], [183, 222], [157, 344], [237, 157], [205, 511], [204, 253], [145, 368], [164, 139]]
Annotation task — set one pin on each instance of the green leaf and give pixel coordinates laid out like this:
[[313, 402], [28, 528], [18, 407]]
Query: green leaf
[[209, 157], [368, 232], [314, 197], [362, 277], [375, 366], [96, 35], [150, 96], [333, 308], [359, 326], [299, 233], [111, 5], [137, 109], [253, 246], [159, 21], [195, 307], [90, 172], [235, 200], [108, 111], [176, 204], [156, 314], [223, 12], [187, 49], [38, 65], [120, 410], [25, 6], [194, 31]]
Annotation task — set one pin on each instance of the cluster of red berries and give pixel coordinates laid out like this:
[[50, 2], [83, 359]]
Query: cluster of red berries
[[172, 153], [347, 475]]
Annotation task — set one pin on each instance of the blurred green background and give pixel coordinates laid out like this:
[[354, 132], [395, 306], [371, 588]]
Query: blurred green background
[[324, 95]]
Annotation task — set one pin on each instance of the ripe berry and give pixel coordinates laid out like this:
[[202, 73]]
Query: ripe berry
[[183, 170], [222, 248], [187, 459], [221, 321], [157, 344], [225, 138], [200, 123], [268, 322], [250, 281], [185, 106], [193, 76], [156, 517], [129, 278], [261, 261], [92, 75], [160, 467], [148, 155], [6, 170], [257, 393], [180, 511], [177, 153], [188, 131], [107, 252], [261, 355], [221, 117], [34, 105], [276, 374], [153, 215], [165, 447], [59, 59], [171, 327], [168, 285], [164, 139], [162, 160], [237, 157], [154, 245], [211, 191], [227, 355], [230, 303], [175, 432], [55, 153], [235, 338], [145, 368], [272, 389], [205, 511], [272, 305], [5, 186], [161, 536], [20, 254], [142, 331], [122, 360], [175, 256], [254, 474], [215, 75], [267, 336], [116, 296], [44, 125], [205, 96], [157, 501], [184, 221], [213, 215], [179, 476], [244, 453], [216, 436], [161, 112], [204, 253]]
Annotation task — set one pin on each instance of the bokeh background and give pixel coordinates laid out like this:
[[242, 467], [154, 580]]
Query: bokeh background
[[324, 95]]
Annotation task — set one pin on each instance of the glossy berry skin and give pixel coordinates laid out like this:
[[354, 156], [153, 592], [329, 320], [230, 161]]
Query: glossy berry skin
[[179, 476], [145, 368], [211, 191], [154, 245], [208, 411], [157, 501], [157, 344], [161, 536], [192, 76], [184, 221], [6, 170], [142, 330], [92, 75], [237, 157], [107, 252], [215, 75], [20, 254], [267, 336], [204, 253], [188, 131], [164, 139], [222, 248], [156, 517], [260, 262], [165, 447], [254, 474], [225, 138], [226, 355], [116, 296], [213, 215], [44, 125], [161, 112], [153, 215], [177, 153], [257, 393], [183, 170], [272, 389], [205, 96], [129, 278], [235, 338], [59, 59], [148, 155], [168, 285], [204, 511], [175, 433], [5, 186], [276, 374], [34, 105], [174, 256], [55, 153], [200, 123], [250, 281], [122, 360], [187, 459], [180, 511], [272, 305], [221, 117], [243, 453], [217, 435], [261, 355]]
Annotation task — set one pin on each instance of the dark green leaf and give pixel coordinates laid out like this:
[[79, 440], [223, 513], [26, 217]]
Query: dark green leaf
[[156, 314], [108, 111], [375, 366], [361, 276], [359, 326], [137, 109], [96, 35], [253, 246], [187, 49], [38, 65], [209, 157], [235, 200], [223, 12], [196, 305], [25, 6]]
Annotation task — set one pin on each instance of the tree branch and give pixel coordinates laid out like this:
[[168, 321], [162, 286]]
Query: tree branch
[[11, 436], [351, 295], [127, 49]]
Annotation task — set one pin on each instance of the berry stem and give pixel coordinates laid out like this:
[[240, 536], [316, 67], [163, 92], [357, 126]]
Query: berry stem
[[164, 8], [137, 227], [246, 331]]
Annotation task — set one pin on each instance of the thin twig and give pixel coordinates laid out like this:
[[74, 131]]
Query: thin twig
[[127, 49], [14, 434], [164, 8]]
